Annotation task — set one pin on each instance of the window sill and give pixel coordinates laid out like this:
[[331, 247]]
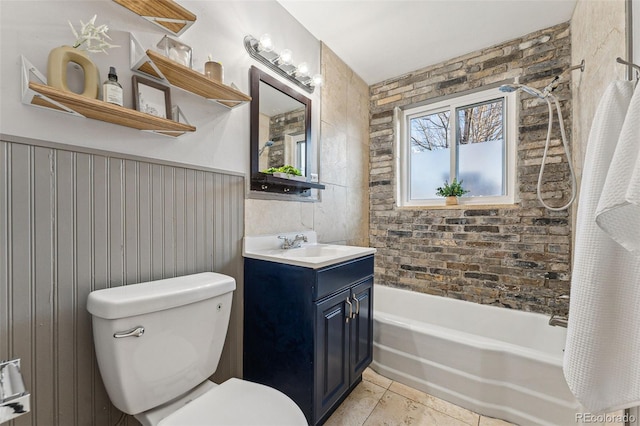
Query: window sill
[[461, 207]]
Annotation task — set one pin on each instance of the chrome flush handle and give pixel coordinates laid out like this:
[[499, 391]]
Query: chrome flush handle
[[134, 332]]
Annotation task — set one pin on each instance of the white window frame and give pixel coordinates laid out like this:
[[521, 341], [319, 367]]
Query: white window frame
[[401, 120]]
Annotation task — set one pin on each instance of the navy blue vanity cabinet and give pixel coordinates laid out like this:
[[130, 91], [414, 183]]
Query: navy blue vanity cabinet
[[308, 332]]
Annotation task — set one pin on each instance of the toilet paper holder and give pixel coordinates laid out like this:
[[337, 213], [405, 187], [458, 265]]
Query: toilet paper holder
[[14, 398]]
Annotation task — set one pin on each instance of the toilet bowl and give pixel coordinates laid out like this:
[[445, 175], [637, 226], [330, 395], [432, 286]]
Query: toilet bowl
[[234, 402], [158, 342]]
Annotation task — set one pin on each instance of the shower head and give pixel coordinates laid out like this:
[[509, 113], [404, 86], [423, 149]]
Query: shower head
[[508, 88], [517, 86], [266, 144]]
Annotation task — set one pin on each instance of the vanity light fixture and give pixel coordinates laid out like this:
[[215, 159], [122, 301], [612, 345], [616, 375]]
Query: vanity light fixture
[[282, 63], [265, 43], [303, 69], [285, 58]]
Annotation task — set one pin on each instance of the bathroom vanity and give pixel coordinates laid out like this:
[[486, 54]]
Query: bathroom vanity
[[308, 330]]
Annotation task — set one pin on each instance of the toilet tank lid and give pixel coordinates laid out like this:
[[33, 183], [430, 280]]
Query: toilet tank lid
[[153, 296]]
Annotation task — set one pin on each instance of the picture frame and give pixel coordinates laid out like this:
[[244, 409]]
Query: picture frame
[[151, 97]]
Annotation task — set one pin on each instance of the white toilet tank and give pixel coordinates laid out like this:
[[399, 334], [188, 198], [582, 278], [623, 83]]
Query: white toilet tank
[[185, 323]]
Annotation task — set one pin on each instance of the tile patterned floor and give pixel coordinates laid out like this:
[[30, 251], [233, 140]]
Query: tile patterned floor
[[378, 401]]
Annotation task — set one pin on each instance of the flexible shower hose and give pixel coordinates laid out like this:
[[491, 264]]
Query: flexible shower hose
[[566, 151]]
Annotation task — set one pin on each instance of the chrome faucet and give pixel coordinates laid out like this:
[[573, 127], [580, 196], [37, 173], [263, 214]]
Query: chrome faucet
[[295, 243], [557, 320]]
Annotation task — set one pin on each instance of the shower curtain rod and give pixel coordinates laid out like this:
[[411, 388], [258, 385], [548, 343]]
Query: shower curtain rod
[[580, 67], [631, 65]]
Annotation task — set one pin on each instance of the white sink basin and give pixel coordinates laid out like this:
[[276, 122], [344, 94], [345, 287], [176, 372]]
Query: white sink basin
[[309, 255], [317, 250]]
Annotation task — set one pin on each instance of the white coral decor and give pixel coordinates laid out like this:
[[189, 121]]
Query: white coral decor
[[92, 38]]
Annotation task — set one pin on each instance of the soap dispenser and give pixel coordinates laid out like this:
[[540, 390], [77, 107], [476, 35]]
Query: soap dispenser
[[111, 89]]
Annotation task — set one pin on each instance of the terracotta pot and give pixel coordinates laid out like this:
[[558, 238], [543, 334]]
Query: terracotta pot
[[59, 58], [451, 201]]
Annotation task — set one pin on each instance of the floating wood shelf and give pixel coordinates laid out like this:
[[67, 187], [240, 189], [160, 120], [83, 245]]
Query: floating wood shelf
[[161, 67], [167, 14], [50, 97]]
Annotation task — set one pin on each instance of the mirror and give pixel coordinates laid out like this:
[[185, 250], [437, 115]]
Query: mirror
[[281, 133], [280, 128]]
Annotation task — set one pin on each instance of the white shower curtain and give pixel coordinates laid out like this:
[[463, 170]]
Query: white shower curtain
[[602, 355], [618, 212]]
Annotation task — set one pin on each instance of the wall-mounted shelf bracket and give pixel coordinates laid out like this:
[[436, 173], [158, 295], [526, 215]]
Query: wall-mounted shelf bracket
[[34, 98], [166, 14], [140, 61], [166, 23]]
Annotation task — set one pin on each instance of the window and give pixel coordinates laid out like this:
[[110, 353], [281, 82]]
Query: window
[[469, 138]]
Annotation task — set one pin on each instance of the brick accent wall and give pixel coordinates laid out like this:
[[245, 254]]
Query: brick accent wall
[[281, 125], [515, 256]]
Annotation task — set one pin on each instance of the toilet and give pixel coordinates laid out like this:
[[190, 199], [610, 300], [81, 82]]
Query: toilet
[[158, 342]]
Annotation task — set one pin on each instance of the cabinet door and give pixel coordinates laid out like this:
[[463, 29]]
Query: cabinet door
[[361, 328], [332, 351]]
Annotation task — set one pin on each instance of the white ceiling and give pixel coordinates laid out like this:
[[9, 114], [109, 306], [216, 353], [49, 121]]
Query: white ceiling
[[381, 39]]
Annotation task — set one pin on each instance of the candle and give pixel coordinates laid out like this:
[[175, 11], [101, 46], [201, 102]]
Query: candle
[[213, 71]]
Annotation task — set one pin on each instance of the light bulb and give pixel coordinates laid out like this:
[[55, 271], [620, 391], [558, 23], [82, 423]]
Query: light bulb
[[317, 80], [286, 57], [265, 44], [303, 69]]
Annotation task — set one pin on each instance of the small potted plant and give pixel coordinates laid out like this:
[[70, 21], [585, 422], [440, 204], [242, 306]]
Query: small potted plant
[[286, 172], [451, 192]]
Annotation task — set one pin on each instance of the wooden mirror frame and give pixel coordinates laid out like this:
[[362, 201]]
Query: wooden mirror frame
[[262, 181]]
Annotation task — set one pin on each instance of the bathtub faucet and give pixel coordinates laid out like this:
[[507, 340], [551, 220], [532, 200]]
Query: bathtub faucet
[[557, 320]]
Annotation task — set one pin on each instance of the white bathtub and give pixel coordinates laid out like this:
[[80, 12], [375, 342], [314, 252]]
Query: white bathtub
[[498, 362]]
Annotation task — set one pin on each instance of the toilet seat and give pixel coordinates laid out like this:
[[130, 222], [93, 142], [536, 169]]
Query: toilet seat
[[238, 402]]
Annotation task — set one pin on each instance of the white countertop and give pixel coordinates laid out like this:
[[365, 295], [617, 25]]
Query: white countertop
[[309, 255]]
